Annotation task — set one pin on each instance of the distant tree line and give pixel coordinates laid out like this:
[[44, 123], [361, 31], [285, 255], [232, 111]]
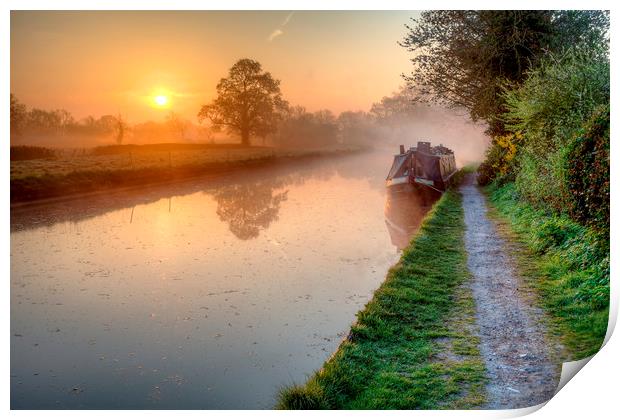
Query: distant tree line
[[249, 105], [58, 121], [34, 122]]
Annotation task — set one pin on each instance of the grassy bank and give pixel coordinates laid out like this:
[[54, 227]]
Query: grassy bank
[[412, 346], [66, 175], [565, 262]]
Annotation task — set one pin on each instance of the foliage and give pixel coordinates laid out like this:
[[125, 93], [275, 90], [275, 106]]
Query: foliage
[[587, 173], [249, 101], [462, 57], [59, 122], [587, 28], [499, 159], [31, 152], [390, 358], [549, 108], [568, 264], [397, 108], [302, 129], [357, 128]]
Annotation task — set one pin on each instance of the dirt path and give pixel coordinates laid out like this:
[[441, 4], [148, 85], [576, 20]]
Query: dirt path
[[513, 340]]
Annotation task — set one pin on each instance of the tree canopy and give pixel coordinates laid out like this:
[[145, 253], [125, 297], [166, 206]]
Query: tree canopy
[[249, 102], [463, 58]]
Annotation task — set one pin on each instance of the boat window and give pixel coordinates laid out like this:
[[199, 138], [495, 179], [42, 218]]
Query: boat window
[[399, 161]]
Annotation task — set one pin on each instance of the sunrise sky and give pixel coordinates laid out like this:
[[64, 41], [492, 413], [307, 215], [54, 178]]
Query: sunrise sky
[[144, 64]]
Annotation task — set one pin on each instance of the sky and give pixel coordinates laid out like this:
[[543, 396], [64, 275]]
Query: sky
[[105, 62]]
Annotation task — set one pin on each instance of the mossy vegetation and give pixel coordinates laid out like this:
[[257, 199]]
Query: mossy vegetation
[[413, 345], [567, 263]]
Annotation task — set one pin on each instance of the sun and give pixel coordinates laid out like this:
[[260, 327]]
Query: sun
[[161, 100]]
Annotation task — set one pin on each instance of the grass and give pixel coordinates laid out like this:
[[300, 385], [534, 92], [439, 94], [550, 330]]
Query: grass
[[413, 345], [30, 152], [67, 174], [566, 263], [99, 160]]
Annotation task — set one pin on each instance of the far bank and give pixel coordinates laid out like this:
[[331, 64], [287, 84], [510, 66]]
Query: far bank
[[131, 166]]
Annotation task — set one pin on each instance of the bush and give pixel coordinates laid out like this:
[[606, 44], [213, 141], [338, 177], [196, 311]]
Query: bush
[[550, 108], [587, 173], [499, 161]]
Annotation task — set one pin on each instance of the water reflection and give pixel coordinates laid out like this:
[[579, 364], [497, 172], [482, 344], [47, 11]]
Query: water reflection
[[248, 208], [210, 293], [404, 211], [245, 217]]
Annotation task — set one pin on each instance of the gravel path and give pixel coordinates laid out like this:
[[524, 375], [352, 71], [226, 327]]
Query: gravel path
[[513, 340]]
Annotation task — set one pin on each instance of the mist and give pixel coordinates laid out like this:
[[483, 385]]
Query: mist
[[449, 127]]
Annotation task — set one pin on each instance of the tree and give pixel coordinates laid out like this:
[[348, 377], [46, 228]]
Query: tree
[[18, 115], [176, 124], [356, 128], [249, 102], [398, 108], [65, 120], [299, 128], [586, 28], [463, 58], [43, 121], [119, 128]]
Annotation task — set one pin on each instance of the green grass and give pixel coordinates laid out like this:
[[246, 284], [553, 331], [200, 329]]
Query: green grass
[[413, 345], [567, 264]]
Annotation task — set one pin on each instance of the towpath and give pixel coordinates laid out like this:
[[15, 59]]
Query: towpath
[[514, 342]]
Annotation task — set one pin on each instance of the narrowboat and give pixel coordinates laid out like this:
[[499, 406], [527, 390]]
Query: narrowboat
[[422, 166]]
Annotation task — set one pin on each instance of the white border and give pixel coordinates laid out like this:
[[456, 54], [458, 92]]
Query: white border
[[593, 394]]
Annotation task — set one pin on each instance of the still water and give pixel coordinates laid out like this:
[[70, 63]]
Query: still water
[[211, 293]]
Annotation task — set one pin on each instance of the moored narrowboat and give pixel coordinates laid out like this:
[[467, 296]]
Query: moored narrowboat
[[424, 166]]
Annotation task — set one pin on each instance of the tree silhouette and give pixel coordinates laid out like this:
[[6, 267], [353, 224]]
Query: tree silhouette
[[120, 128], [177, 125], [248, 102], [19, 115]]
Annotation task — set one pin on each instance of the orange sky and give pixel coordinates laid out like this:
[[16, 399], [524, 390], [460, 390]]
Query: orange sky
[[100, 62]]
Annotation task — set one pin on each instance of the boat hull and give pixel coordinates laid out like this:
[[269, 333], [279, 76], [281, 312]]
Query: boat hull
[[422, 168]]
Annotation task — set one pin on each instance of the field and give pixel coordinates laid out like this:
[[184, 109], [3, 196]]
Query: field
[[136, 158], [78, 170]]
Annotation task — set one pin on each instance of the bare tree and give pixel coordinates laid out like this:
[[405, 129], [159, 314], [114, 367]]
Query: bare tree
[[177, 124], [120, 128]]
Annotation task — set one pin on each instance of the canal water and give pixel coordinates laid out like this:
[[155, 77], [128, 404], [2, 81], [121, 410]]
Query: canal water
[[210, 293]]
